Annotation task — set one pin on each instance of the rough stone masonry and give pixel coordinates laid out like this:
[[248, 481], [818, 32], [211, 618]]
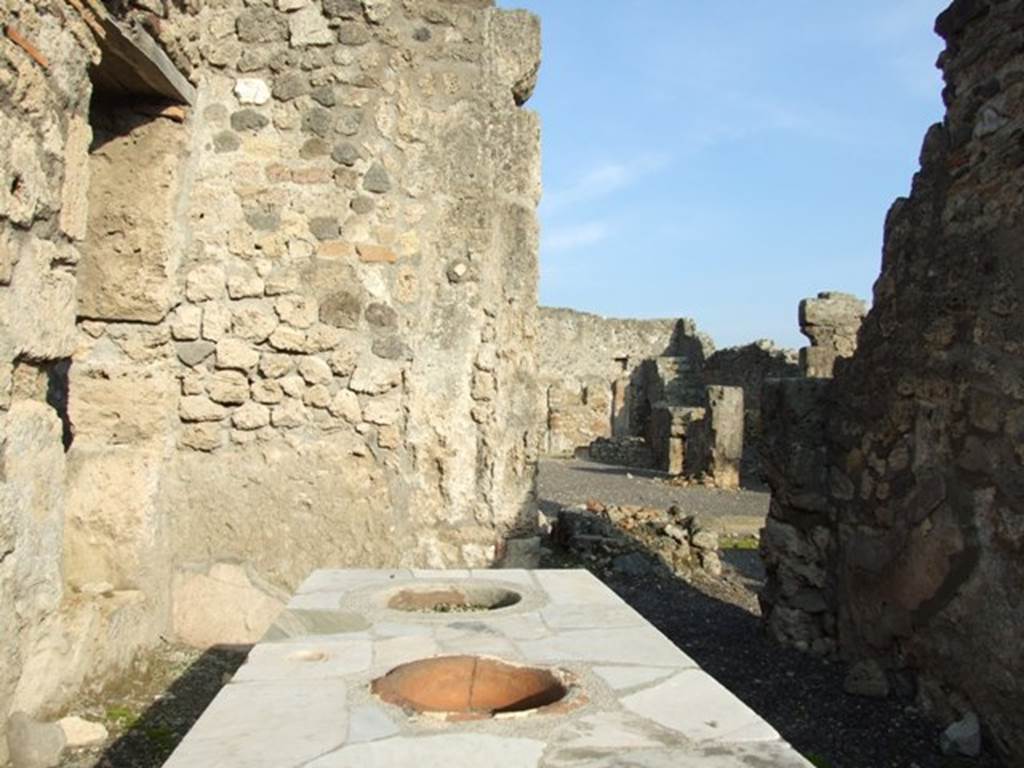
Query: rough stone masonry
[[654, 393], [267, 303], [896, 533]]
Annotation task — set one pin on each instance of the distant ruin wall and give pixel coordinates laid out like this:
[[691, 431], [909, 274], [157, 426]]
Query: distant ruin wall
[[291, 324], [601, 376], [916, 482], [590, 368]]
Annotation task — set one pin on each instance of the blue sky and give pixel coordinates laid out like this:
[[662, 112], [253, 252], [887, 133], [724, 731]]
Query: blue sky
[[722, 159]]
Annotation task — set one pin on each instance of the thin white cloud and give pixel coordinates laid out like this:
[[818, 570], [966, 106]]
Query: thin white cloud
[[561, 239], [602, 181]]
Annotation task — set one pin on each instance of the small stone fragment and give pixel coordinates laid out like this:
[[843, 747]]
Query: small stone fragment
[[317, 396], [288, 415], [375, 254], [252, 90], [192, 353], [204, 283], [206, 436], [82, 733], [232, 353], [226, 141], [377, 10], [297, 311], [362, 205], [349, 121], [341, 310], [345, 405], [317, 121], [377, 179], [353, 34], [374, 376], [294, 386], [260, 25], [288, 339], [389, 437], [216, 321], [314, 147], [244, 286], [248, 120], [280, 281], [343, 9], [383, 411], [228, 388], [345, 154], [307, 26], [267, 391], [867, 678], [324, 227], [391, 348], [290, 85], [198, 408], [381, 315], [263, 218], [343, 361], [187, 323], [313, 370], [192, 384], [254, 322], [705, 539], [251, 416], [711, 563], [323, 95], [322, 337], [275, 366], [458, 271], [962, 737]]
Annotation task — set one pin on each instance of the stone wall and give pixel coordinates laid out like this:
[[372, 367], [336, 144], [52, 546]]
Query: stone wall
[[603, 377], [359, 290], [287, 325], [918, 472], [66, 613], [590, 368], [831, 322], [749, 366]]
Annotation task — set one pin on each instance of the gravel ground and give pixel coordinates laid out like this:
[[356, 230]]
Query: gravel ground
[[153, 708], [565, 482], [715, 621]]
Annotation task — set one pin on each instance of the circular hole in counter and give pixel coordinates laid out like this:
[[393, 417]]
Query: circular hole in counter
[[467, 598], [470, 687]]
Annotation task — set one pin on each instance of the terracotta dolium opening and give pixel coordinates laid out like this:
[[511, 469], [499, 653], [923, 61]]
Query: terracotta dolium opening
[[453, 599], [469, 685]]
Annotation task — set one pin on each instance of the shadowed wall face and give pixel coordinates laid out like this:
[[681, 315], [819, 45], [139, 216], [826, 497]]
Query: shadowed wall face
[[914, 462]]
